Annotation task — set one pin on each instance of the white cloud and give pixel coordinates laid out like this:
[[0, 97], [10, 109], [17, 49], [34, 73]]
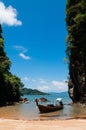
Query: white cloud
[[43, 88], [22, 51], [21, 48], [8, 15], [33, 80], [24, 56], [57, 83], [25, 79], [59, 86], [52, 86], [42, 81], [48, 86]]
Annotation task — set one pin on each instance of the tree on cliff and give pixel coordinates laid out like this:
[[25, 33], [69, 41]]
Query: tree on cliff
[[10, 85], [76, 48]]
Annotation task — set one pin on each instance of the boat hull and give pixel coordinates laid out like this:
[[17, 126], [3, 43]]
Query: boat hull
[[46, 109]]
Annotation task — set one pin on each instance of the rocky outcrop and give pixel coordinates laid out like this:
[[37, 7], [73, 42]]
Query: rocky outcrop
[[76, 49], [77, 94]]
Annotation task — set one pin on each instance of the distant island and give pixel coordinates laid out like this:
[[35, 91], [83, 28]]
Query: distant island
[[27, 91]]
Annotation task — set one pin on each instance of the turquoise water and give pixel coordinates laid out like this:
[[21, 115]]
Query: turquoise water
[[29, 111]]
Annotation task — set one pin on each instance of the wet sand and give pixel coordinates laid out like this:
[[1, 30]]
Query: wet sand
[[72, 124]]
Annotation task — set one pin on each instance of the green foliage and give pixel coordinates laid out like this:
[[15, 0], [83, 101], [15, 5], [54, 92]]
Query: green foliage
[[76, 45], [14, 86], [10, 85]]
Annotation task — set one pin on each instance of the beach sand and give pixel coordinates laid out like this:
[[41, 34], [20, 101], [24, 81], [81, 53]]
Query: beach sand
[[72, 124]]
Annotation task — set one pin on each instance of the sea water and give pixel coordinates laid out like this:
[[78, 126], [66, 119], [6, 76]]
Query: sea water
[[29, 111]]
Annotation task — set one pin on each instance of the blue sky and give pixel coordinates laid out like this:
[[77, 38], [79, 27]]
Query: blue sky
[[35, 41]]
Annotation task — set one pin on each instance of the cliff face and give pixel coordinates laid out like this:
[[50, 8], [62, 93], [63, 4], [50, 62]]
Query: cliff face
[[76, 49], [77, 92]]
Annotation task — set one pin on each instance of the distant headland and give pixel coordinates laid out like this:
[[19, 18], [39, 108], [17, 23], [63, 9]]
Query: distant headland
[[28, 91]]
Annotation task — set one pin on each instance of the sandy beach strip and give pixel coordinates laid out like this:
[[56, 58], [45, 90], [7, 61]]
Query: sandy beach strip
[[73, 124]]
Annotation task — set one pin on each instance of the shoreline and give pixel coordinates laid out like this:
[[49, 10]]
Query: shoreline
[[45, 119], [70, 124]]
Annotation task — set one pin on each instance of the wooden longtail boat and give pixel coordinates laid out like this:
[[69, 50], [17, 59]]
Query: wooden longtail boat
[[49, 108]]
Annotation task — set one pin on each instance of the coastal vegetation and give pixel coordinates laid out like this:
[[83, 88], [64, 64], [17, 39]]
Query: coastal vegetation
[[76, 49], [10, 85]]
